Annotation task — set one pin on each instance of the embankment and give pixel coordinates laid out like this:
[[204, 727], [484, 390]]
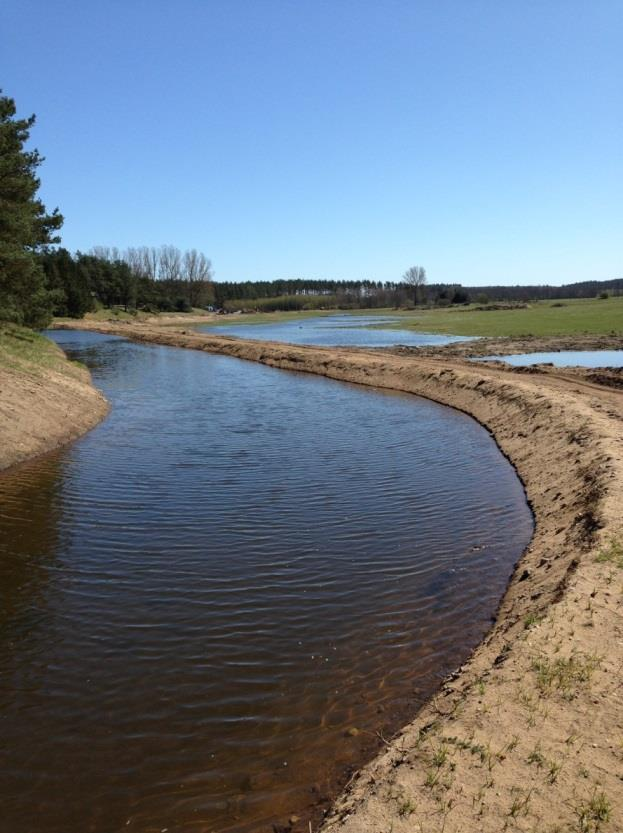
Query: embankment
[[45, 399], [528, 734]]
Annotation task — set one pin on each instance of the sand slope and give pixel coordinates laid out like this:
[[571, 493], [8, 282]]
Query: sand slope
[[45, 406]]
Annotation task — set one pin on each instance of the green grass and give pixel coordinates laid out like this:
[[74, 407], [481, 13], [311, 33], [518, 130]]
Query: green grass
[[589, 316], [612, 554], [577, 317], [567, 675], [25, 351]]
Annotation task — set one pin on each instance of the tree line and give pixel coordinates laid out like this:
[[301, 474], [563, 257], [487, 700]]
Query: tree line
[[300, 294], [151, 278]]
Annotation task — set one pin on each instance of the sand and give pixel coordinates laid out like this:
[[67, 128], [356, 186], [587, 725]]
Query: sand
[[42, 408], [528, 734]]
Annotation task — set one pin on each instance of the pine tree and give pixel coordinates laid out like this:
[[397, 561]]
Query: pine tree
[[25, 227]]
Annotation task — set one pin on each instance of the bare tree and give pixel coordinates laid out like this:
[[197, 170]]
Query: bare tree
[[133, 258], [109, 253], [150, 258], [415, 277], [197, 272], [170, 264]]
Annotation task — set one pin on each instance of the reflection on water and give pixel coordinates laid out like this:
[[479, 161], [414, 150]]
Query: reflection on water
[[565, 358], [30, 508], [332, 330], [208, 591]]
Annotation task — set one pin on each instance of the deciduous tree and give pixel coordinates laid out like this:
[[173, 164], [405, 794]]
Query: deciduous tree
[[415, 277]]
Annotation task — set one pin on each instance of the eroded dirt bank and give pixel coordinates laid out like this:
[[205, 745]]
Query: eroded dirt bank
[[45, 401], [528, 734]]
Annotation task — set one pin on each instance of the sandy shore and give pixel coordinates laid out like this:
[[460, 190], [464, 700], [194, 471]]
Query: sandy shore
[[528, 734], [45, 405]]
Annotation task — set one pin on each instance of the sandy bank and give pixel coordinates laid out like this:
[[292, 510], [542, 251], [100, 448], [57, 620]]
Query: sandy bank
[[528, 734], [45, 400]]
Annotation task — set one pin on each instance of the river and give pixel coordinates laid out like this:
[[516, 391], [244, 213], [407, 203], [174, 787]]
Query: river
[[216, 602]]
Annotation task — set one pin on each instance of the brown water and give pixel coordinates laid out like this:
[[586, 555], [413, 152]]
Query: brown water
[[202, 596]]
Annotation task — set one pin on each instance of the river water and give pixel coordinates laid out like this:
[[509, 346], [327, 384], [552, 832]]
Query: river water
[[341, 329], [214, 601]]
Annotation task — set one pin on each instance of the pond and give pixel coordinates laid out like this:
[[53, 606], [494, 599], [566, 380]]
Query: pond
[[215, 600], [564, 358], [333, 330]]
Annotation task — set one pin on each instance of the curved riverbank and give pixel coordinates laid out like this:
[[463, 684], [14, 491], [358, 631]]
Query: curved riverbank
[[528, 733], [45, 400]]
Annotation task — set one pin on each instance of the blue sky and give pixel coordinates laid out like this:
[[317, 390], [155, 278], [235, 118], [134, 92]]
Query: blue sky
[[303, 138]]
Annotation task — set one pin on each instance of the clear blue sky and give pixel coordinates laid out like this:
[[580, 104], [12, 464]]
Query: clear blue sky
[[340, 139]]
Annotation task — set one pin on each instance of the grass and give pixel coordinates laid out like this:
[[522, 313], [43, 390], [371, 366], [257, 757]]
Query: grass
[[566, 675], [585, 316], [23, 350], [612, 554], [593, 814], [577, 317], [531, 620]]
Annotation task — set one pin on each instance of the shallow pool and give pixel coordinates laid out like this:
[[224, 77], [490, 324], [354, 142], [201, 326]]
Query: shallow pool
[[333, 330], [564, 358]]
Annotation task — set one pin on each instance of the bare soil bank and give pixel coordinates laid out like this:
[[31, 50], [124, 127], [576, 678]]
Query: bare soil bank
[[44, 404], [528, 734]]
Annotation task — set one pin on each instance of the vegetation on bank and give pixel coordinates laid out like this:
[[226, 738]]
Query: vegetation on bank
[[25, 351]]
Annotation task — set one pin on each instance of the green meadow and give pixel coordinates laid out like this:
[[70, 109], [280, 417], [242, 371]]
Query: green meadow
[[590, 316]]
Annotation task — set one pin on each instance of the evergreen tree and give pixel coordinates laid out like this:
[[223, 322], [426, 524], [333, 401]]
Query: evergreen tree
[[25, 227]]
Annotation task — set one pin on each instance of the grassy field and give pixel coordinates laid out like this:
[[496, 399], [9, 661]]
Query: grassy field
[[27, 351], [543, 318]]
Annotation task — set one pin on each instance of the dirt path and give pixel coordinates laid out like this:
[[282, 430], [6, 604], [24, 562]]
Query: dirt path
[[528, 734]]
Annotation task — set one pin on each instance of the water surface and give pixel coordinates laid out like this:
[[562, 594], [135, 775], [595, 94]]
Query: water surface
[[334, 330], [204, 595], [564, 358]]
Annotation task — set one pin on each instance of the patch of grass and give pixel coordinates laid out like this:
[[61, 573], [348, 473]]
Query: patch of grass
[[593, 814], [531, 620], [440, 756], [611, 554], [25, 351], [432, 776], [406, 808], [577, 317], [520, 803], [536, 756], [566, 675], [553, 771]]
